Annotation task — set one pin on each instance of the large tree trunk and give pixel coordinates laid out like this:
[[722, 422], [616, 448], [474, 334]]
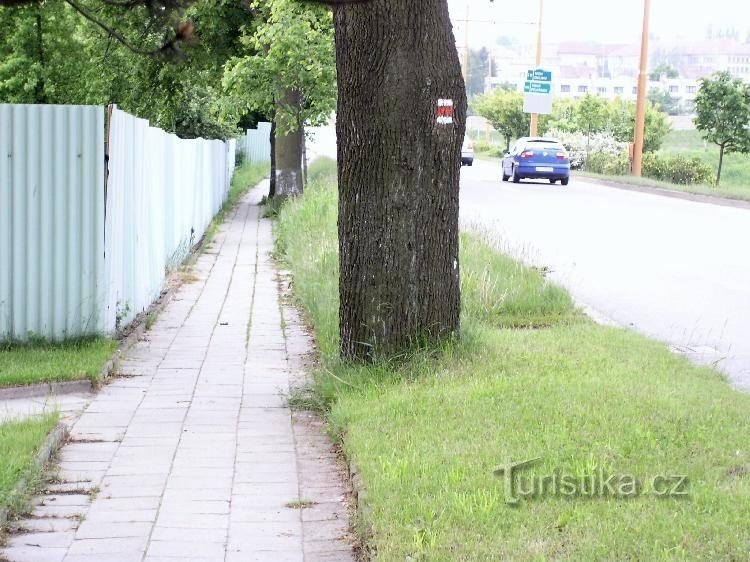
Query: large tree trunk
[[289, 155], [399, 171]]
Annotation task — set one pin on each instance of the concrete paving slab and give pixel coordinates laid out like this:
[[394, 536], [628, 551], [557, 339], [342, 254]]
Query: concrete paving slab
[[195, 455]]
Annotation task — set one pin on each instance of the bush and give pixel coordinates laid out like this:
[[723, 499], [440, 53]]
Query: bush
[[672, 168], [603, 163], [579, 145], [482, 146], [676, 168]]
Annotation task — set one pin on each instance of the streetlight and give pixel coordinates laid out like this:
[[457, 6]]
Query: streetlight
[[640, 108]]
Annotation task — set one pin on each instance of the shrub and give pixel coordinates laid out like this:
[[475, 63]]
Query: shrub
[[481, 145], [672, 168], [603, 163], [579, 145], [676, 168]]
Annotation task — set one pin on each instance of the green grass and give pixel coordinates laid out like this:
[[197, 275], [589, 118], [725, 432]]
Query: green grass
[[426, 431], [19, 443], [726, 191], [736, 168], [41, 362]]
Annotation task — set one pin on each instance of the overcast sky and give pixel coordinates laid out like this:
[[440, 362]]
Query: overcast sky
[[596, 20]]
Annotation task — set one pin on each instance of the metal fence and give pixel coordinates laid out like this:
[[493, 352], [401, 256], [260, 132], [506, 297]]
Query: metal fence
[[51, 220], [77, 258], [255, 144], [162, 192]]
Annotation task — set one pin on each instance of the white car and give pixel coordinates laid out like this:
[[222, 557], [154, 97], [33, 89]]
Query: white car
[[467, 153]]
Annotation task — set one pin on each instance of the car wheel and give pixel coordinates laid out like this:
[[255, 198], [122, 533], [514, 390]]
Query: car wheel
[[505, 177], [514, 175], [552, 181], [564, 181]]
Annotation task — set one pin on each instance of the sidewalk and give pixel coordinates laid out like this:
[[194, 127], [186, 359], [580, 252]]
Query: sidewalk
[[193, 454]]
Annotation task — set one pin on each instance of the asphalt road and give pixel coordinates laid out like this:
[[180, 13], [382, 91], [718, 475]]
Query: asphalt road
[[676, 270]]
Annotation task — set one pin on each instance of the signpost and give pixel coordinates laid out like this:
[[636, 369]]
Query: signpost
[[537, 97], [538, 75], [537, 88]]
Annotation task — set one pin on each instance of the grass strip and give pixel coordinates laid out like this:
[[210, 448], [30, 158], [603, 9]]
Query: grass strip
[[428, 430], [19, 443], [36, 362], [724, 191]]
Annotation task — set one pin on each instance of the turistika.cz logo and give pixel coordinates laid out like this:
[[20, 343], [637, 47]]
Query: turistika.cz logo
[[597, 484]]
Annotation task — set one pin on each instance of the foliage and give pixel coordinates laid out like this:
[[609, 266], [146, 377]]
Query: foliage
[[676, 168], [482, 145], [579, 145], [722, 109], [664, 101], [294, 50], [504, 110], [672, 168], [54, 56], [607, 164], [735, 171], [622, 124], [593, 114], [663, 69], [477, 71], [39, 55]]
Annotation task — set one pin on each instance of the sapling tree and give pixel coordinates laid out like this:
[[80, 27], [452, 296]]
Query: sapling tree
[[722, 108]]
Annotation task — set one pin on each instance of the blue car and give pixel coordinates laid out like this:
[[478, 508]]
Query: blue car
[[537, 158]]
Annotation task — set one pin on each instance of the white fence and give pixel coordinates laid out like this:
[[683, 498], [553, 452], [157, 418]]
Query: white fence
[[77, 258], [255, 144], [51, 220], [162, 192]]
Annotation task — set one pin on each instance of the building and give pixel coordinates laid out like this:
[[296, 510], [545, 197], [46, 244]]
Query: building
[[611, 71]]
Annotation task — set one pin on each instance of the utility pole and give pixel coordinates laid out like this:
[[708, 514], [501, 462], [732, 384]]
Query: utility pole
[[533, 129], [640, 109]]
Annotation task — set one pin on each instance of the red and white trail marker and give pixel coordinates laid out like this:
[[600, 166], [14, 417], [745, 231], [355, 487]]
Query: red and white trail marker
[[444, 112]]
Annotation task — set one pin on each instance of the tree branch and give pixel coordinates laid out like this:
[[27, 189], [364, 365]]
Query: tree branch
[[107, 29]]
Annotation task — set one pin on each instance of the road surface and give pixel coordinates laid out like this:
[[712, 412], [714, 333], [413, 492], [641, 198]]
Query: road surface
[[676, 270]]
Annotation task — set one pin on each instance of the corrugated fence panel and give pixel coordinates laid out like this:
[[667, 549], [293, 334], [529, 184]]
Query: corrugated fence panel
[[51, 221], [162, 193], [256, 143], [68, 265]]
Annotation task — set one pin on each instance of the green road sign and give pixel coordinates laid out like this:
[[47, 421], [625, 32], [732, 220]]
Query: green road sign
[[539, 75], [537, 88]]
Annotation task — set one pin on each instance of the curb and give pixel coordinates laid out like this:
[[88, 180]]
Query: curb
[[53, 442], [685, 195], [45, 389]]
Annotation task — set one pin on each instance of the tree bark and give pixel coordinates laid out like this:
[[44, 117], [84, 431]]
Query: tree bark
[[272, 180], [721, 162], [303, 149], [398, 175], [289, 154]]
